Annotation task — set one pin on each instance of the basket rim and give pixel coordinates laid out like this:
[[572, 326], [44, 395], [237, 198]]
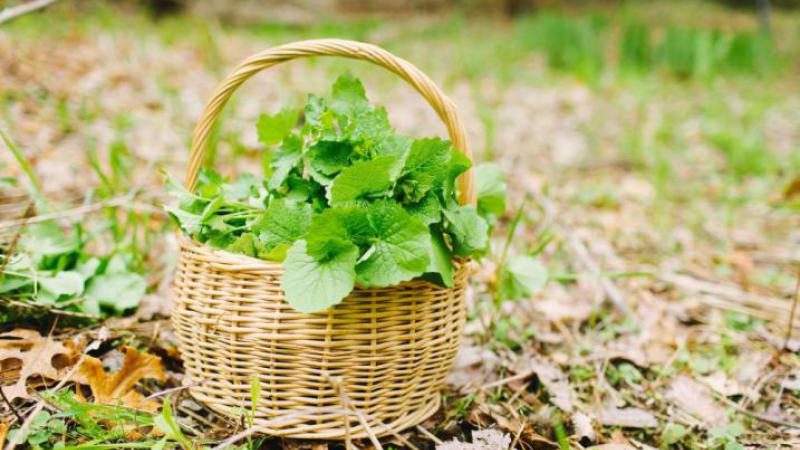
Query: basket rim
[[243, 263]]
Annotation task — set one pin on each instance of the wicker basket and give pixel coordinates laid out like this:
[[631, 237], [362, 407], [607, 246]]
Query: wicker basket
[[370, 366]]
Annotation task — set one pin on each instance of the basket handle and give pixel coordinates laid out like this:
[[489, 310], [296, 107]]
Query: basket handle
[[330, 47]]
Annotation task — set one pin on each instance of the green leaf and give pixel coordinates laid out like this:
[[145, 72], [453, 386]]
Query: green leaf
[[336, 229], [278, 253], [429, 209], [176, 189], [313, 285], [246, 244], [188, 222], [119, 291], [490, 186], [399, 248], [9, 283], [272, 129], [468, 230], [47, 238], [329, 157], [245, 187], [285, 159], [425, 167], [673, 433], [441, 262], [371, 127], [349, 95], [364, 179], [522, 276], [457, 165], [63, 284], [282, 223]]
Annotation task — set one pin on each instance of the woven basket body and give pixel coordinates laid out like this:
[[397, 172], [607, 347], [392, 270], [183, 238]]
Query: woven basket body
[[382, 353], [370, 366]]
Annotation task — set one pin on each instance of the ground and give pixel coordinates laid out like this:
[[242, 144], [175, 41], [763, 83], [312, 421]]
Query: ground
[[663, 204]]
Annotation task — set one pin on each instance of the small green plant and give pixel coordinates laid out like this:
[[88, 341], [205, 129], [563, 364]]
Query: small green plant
[[41, 432], [727, 437], [570, 44], [635, 48], [345, 201], [54, 270]]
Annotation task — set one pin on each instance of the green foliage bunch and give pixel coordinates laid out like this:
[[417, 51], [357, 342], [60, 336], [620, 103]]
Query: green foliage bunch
[[345, 200]]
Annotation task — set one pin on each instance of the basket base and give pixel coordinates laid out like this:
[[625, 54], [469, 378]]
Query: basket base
[[305, 424]]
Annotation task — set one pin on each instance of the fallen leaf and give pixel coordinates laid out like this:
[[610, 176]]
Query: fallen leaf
[[584, 429], [473, 367], [481, 440], [117, 389], [792, 190], [627, 417], [3, 433], [25, 354], [551, 377], [694, 398], [792, 381]]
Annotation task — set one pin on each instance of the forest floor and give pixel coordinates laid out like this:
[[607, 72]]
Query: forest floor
[[665, 211]]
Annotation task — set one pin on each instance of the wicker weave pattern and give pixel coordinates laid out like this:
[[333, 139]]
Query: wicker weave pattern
[[368, 366], [388, 349]]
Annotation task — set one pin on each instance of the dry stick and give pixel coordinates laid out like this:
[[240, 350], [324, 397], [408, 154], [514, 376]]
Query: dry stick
[[10, 406], [507, 380], [171, 390], [124, 201], [790, 326], [429, 435], [25, 8]]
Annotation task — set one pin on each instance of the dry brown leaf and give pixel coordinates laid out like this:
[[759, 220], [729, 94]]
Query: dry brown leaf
[[117, 388], [627, 417], [25, 354], [473, 367], [792, 190], [694, 398], [3, 433], [481, 440], [551, 376]]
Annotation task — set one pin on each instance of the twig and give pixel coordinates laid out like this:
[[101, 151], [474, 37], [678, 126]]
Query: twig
[[747, 412], [790, 325], [507, 380], [12, 13], [612, 292], [429, 435], [123, 201], [756, 305], [11, 406], [171, 390]]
